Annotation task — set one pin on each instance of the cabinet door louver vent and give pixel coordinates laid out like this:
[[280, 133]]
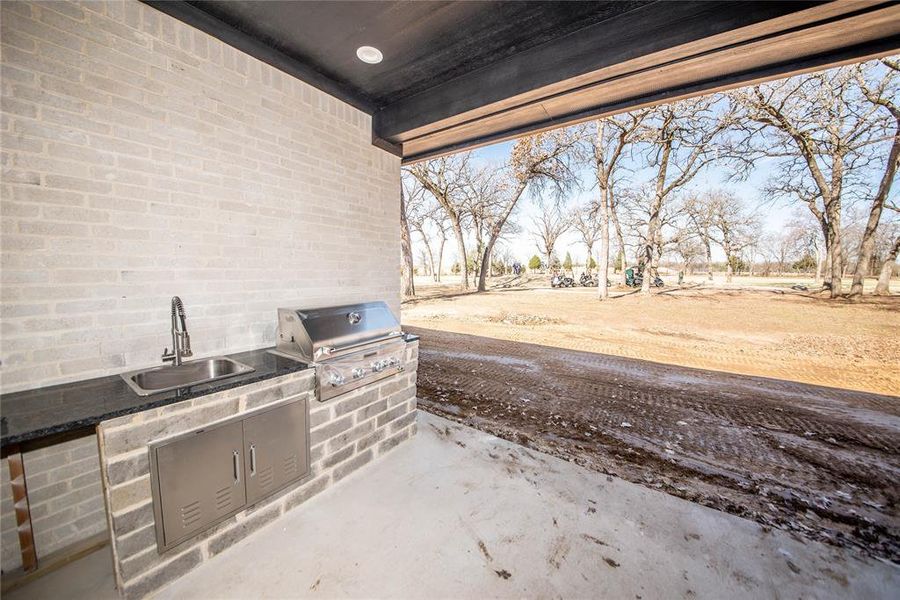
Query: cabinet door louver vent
[[290, 465], [266, 478], [223, 499], [190, 514]]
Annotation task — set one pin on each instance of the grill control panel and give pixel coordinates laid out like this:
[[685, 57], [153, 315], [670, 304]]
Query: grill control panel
[[340, 375]]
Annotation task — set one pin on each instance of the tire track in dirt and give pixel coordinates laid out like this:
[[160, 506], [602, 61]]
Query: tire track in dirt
[[821, 461]]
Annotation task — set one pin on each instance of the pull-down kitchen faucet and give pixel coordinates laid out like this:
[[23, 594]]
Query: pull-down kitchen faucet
[[181, 341]]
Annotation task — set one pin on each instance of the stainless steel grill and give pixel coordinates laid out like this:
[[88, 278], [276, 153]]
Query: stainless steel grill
[[350, 345]]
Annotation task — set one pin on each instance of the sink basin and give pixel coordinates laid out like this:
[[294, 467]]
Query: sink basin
[[163, 379]]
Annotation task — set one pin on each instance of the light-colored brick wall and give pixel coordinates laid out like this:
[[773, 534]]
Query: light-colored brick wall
[[346, 433], [143, 159], [66, 500]]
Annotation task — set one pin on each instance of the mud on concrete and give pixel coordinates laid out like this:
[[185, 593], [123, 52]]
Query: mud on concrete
[[820, 462]]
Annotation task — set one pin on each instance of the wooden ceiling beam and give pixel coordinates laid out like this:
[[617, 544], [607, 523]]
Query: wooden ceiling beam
[[810, 39]]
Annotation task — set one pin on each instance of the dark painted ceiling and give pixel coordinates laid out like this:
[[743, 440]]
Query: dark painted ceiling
[[457, 74], [424, 43]]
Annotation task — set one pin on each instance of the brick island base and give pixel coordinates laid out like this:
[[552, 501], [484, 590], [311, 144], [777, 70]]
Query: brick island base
[[345, 434]]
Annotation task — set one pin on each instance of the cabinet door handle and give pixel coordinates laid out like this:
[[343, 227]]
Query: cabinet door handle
[[236, 463], [252, 460]]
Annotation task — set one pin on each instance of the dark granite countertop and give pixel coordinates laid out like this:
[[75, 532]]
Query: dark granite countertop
[[52, 411]]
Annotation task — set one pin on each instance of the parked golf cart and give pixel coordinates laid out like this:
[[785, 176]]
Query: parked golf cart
[[634, 277], [559, 280], [592, 280]]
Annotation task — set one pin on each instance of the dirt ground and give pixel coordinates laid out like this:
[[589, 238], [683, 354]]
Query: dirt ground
[[609, 385], [769, 331]]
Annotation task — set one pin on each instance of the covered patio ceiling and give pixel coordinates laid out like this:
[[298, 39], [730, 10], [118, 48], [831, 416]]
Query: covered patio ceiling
[[460, 74]]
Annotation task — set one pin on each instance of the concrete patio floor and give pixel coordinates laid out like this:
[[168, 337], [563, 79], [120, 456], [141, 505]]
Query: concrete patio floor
[[459, 513]]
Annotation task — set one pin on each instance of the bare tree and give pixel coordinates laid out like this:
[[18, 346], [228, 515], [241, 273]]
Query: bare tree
[[538, 160], [689, 249], [825, 137], [810, 241], [424, 261], [612, 136], [485, 202], [419, 208], [883, 287], [891, 245], [881, 93], [407, 274], [549, 225], [636, 205], [584, 220], [677, 140], [446, 178], [418, 223], [442, 227], [737, 230], [784, 245], [700, 213]]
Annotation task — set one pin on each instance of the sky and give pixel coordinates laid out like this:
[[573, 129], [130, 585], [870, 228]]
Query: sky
[[524, 245]]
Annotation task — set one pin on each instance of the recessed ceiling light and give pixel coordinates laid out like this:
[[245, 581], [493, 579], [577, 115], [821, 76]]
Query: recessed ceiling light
[[370, 55]]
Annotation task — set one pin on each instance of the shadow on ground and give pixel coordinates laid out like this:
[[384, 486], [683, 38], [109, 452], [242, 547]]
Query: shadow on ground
[[822, 462]]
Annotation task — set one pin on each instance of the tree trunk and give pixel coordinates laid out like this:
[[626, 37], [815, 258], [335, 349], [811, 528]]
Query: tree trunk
[[650, 249], [440, 260], [603, 180], [480, 255], [653, 224], [603, 264], [429, 253], [866, 248], [729, 257], [833, 212], [883, 288], [708, 245], [620, 240], [408, 285], [482, 276], [837, 259], [819, 262], [463, 259]]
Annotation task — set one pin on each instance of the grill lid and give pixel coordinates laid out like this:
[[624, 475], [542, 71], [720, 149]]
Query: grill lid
[[321, 333]]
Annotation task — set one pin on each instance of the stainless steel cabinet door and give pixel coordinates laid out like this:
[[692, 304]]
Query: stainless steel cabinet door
[[201, 480], [276, 449]]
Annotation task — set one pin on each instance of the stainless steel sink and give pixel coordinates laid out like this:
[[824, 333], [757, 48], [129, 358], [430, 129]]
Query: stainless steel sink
[[163, 379]]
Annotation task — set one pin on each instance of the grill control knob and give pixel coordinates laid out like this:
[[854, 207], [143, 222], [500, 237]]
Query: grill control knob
[[378, 366], [336, 378], [358, 372]]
